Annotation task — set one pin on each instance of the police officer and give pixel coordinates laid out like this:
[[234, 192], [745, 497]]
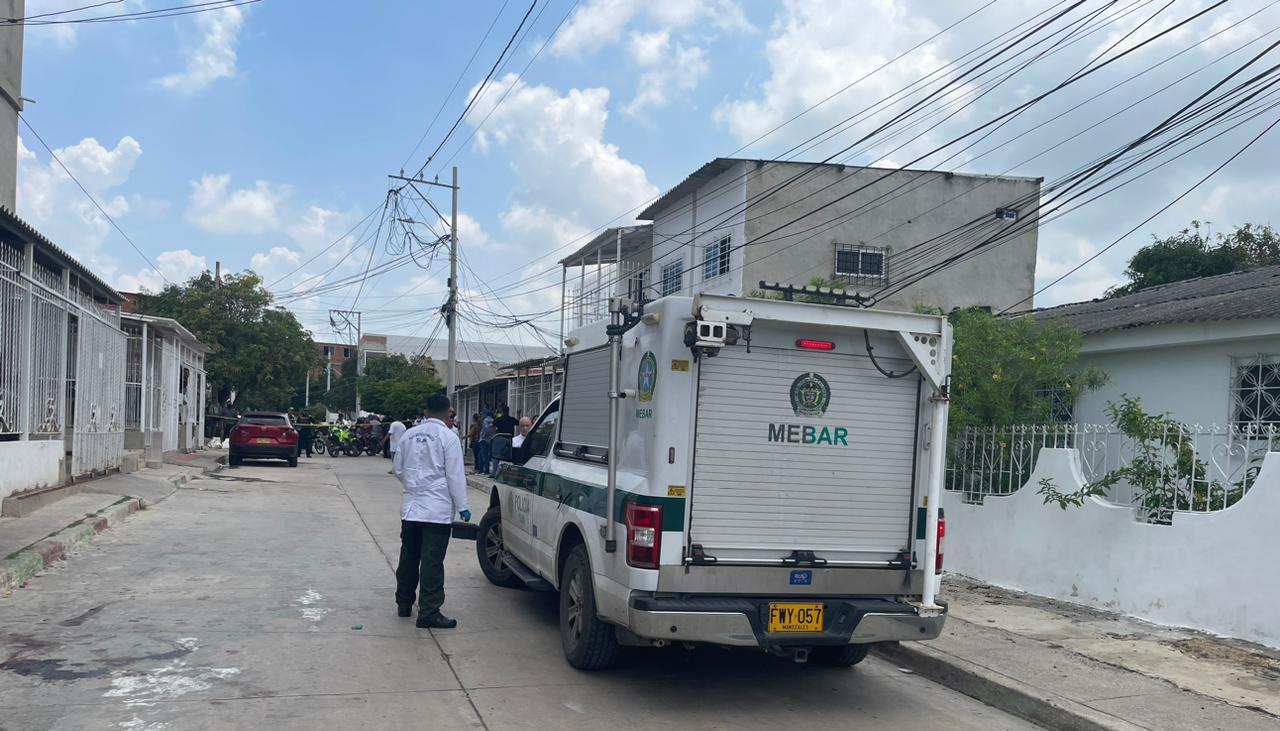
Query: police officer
[[428, 462]]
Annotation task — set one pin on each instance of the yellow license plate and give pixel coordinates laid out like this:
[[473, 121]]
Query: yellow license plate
[[795, 617], [263, 441]]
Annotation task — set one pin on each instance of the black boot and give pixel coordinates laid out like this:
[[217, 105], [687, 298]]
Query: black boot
[[435, 620], [404, 610]]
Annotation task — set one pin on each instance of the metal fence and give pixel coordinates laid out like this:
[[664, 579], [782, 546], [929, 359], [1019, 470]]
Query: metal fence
[[1181, 469], [61, 361], [12, 332]]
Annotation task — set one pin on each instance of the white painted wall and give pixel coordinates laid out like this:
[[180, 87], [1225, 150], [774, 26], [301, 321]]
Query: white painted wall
[[29, 465], [1209, 571], [720, 212], [1182, 369]]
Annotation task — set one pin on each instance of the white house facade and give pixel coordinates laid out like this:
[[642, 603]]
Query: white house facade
[[1206, 351]]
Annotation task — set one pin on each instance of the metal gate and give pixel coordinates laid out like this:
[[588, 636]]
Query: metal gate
[[98, 440]]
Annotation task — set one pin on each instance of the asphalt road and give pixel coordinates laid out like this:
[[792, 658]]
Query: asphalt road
[[261, 597]]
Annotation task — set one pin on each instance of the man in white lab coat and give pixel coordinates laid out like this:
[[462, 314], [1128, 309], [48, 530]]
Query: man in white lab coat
[[428, 462]]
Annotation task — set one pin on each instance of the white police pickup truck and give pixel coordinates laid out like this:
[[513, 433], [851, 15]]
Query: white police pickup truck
[[732, 471]]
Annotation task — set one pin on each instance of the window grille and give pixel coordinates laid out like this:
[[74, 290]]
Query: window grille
[[1255, 391], [716, 259], [672, 276], [856, 264]]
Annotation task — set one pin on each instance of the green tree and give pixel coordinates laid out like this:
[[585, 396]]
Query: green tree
[[1008, 371], [396, 385], [1193, 252], [259, 352]]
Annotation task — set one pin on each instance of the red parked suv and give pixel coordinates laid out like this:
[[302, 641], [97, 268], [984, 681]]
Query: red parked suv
[[264, 435]]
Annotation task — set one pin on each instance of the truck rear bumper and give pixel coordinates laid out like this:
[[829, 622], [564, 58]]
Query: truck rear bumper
[[741, 621]]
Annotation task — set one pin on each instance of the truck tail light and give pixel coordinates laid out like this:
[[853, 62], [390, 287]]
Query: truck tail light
[[807, 344], [942, 531], [644, 535]]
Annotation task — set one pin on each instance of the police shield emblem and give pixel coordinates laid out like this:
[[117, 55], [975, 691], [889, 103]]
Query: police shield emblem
[[647, 376], [810, 395]]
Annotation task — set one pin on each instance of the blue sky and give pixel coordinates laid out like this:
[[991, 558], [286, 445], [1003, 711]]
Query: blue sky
[[257, 135]]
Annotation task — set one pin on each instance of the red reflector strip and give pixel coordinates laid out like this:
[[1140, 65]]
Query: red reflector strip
[[815, 344]]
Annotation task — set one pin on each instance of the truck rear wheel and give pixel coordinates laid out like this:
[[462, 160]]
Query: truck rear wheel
[[588, 642], [490, 550], [844, 656]]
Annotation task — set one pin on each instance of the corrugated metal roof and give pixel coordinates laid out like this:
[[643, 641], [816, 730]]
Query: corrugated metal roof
[[26, 230], [635, 240], [1248, 295]]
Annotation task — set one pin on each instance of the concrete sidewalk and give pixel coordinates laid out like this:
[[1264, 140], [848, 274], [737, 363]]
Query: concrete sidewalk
[[1070, 667], [30, 543]]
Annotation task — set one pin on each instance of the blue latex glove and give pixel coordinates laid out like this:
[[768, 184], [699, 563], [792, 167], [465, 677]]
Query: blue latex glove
[[466, 516]]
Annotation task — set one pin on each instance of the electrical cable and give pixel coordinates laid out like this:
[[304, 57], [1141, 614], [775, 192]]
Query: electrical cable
[[92, 199]]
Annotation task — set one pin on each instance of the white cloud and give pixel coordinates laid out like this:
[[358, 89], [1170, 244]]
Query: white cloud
[[600, 23], [176, 266], [277, 260], [50, 200], [647, 49], [214, 207], [214, 58], [683, 72], [818, 49], [560, 137]]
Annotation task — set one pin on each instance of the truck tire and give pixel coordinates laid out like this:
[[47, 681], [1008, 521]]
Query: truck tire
[[588, 642], [844, 656], [489, 551]]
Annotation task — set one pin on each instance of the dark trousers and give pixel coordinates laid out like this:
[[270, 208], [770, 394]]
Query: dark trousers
[[482, 457], [422, 549], [305, 437]]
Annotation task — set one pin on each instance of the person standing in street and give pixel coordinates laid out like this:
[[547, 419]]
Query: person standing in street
[[429, 465], [306, 432], [486, 443], [396, 431], [504, 430], [473, 440]]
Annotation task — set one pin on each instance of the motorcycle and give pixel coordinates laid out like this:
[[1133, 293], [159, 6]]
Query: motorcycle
[[342, 441]]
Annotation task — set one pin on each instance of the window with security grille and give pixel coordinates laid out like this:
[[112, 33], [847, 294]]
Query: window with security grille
[[672, 274], [1255, 391], [716, 259], [1061, 406], [862, 264]]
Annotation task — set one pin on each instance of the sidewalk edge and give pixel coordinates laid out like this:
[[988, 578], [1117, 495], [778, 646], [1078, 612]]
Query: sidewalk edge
[[1001, 691], [35, 558]]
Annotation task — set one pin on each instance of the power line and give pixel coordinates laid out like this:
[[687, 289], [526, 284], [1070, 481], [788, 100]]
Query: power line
[[170, 12], [93, 200], [479, 90], [445, 102], [739, 208]]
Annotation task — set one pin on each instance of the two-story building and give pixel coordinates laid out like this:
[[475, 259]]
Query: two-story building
[[902, 237]]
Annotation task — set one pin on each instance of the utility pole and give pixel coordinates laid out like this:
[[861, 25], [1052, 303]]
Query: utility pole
[[450, 309], [346, 325], [451, 374]]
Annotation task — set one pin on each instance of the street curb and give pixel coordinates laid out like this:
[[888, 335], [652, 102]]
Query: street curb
[[1001, 691], [36, 557]]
